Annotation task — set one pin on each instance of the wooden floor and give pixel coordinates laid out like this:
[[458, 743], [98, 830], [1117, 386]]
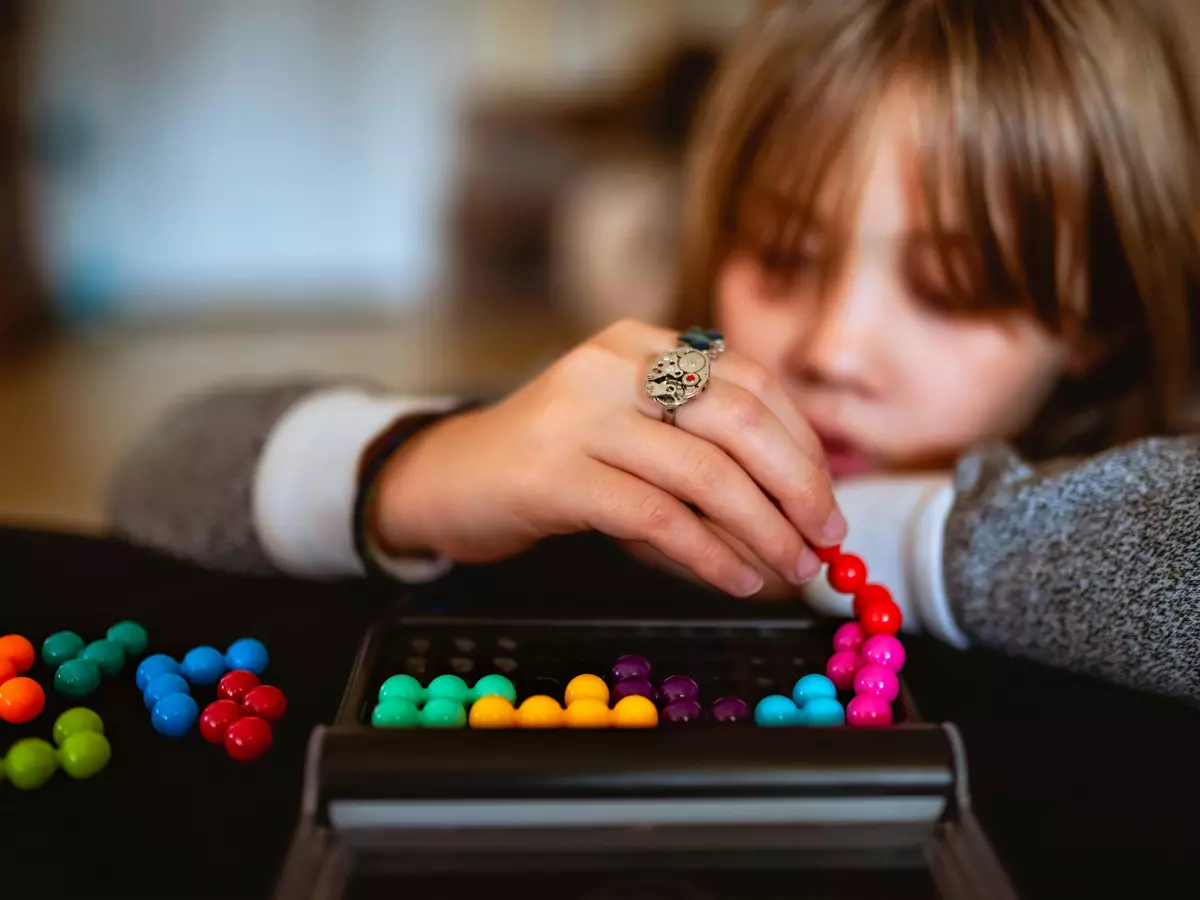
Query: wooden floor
[[70, 407]]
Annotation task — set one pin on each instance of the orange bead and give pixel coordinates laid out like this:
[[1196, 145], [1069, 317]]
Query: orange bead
[[634, 712], [540, 711], [492, 712], [21, 700], [17, 649], [586, 687], [588, 713], [7, 669]]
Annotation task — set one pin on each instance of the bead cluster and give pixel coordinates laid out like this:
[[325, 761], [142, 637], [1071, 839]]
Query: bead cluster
[[79, 666], [21, 698], [240, 717], [80, 749], [404, 703]]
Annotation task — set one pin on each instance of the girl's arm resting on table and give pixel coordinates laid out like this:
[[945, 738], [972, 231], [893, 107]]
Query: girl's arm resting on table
[[262, 479], [1091, 565]]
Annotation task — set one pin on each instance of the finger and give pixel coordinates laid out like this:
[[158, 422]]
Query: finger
[[741, 424], [628, 508], [703, 474], [774, 587]]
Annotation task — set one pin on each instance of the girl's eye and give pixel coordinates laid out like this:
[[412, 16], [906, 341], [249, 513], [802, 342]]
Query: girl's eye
[[931, 282], [784, 266]]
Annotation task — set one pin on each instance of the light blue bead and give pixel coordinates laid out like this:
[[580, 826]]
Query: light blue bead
[[247, 654], [776, 711], [164, 685], [174, 715], [822, 712], [812, 686], [158, 664], [203, 666]]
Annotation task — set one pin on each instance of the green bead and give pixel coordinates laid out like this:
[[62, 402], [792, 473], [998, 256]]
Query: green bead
[[131, 636], [30, 763], [443, 713], [61, 646], [84, 754], [402, 687], [108, 655], [395, 712], [494, 686], [448, 687], [77, 677], [76, 721]]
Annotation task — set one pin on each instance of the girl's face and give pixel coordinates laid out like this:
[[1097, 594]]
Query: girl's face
[[888, 379]]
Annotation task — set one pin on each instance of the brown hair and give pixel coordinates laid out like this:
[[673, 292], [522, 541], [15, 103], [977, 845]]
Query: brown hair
[[1064, 129]]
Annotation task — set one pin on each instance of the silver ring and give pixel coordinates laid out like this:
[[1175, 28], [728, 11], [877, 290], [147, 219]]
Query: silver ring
[[682, 374]]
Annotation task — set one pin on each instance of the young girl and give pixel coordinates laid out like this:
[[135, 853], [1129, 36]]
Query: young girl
[[935, 235]]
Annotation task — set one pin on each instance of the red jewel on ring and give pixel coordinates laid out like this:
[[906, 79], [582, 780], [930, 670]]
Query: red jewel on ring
[[690, 378]]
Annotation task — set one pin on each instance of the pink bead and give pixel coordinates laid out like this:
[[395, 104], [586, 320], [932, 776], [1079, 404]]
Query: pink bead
[[868, 711], [848, 637], [884, 650], [841, 668], [877, 680]]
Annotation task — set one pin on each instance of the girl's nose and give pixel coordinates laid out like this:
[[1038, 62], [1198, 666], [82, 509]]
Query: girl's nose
[[842, 349]]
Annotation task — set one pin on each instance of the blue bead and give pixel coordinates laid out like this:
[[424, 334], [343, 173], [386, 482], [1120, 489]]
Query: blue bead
[[158, 664], [822, 712], [713, 335], [247, 654], [203, 666], [174, 715], [164, 685], [812, 686], [776, 711]]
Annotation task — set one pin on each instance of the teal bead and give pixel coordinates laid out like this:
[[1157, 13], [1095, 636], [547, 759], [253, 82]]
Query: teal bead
[[443, 713], [131, 636], [108, 655], [812, 686], [76, 721], [776, 711], [77, 677], [822, 712], [494, 686], [61, 646], [402, 687], [30, 763], [84, 754], [395, 712], [448, 687]]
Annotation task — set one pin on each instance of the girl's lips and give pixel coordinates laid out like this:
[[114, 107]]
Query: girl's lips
[[844, 458]]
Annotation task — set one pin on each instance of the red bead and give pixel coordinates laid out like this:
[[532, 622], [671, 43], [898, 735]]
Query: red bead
[[265, 701], [881, 618], [868, 594], [248, 738], [236, 684], [847, 573], [216, 719], [828, 554]]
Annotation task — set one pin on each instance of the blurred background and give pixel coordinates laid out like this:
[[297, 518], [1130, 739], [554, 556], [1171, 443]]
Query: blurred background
[[442, 195]]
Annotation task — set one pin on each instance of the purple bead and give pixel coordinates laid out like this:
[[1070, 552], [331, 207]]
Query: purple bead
[[631, 667], [682, 711], [628, 687], [678, 687], [730, 709]]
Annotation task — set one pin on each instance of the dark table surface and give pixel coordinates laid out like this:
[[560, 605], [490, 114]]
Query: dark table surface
[[1084, 789]]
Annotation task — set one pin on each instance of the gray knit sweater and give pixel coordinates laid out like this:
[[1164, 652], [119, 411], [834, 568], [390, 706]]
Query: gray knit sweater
[[1090, 565]]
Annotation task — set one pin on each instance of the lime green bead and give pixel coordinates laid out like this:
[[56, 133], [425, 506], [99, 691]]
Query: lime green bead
[[448, 687], [494, 686], [75, 721], [443, 713], [395, 712], [131, 636], [30, 763], [402, 687], [61, 646], [108, 655], [84, 754], [77, 677]]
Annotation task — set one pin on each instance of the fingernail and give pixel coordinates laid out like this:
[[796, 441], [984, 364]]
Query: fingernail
[[835, 528], [808, 568], [749, 580]]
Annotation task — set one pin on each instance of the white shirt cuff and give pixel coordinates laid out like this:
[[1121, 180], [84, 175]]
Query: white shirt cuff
[[306, 483], [926, 573]]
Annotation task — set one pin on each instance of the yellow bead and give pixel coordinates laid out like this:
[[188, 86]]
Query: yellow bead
[[492, 712], [588, 713], [586, 687], [634, 712], [540, 712]]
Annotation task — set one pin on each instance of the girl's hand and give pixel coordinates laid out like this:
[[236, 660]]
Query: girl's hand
[[583, 447]]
